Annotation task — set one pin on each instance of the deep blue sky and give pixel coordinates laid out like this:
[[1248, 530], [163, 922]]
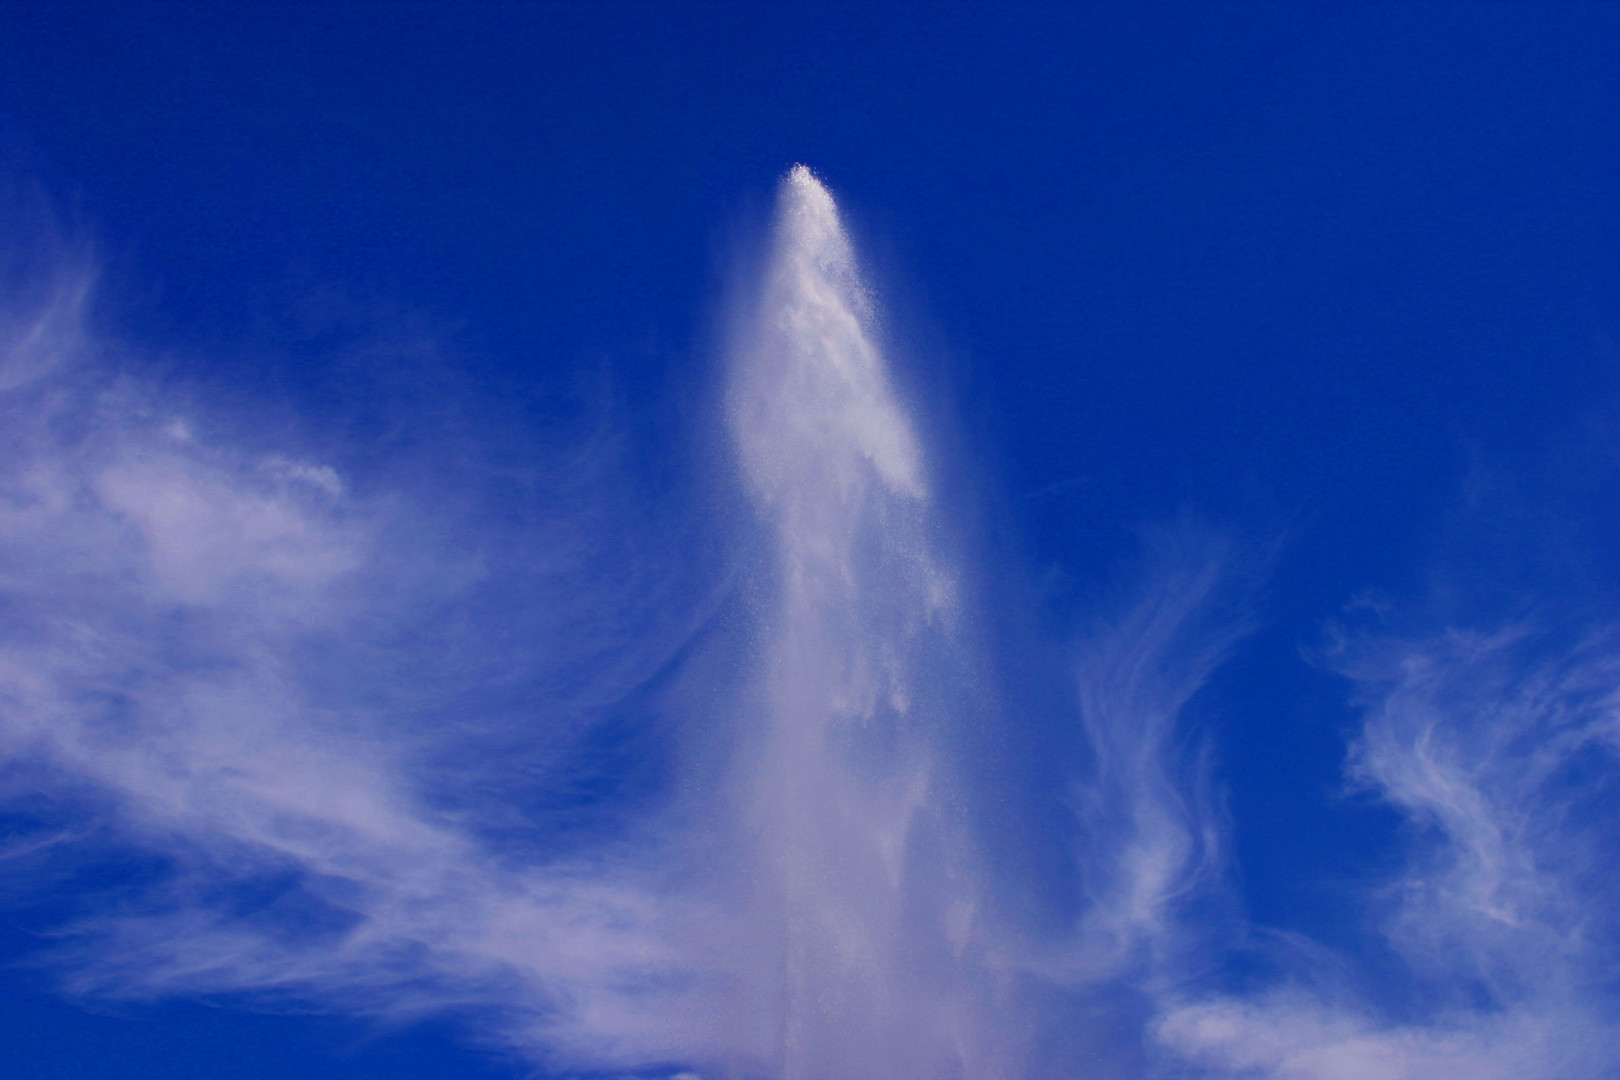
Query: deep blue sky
[[1340, 280]]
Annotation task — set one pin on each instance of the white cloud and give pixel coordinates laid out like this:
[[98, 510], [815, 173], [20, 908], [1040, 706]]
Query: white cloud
[[1150, 837], [1493, 748]]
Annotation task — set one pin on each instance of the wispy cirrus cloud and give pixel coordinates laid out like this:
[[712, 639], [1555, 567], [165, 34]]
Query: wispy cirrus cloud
[[1497, 749], [296, 713], [1149, 828]]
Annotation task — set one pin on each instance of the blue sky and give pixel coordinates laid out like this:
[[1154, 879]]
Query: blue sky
[[809, 541]]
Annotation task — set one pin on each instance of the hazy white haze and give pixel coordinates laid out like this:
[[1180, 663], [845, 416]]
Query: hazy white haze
[[359, 744]]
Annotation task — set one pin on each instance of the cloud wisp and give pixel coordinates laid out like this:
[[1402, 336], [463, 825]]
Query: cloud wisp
[[293, 716], [1498, 750], [352, 739]]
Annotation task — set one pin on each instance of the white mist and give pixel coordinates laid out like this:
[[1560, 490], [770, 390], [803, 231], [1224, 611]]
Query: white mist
[[863, 883]]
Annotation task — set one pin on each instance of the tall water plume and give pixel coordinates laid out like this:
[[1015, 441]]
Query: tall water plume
[[863, 876]]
